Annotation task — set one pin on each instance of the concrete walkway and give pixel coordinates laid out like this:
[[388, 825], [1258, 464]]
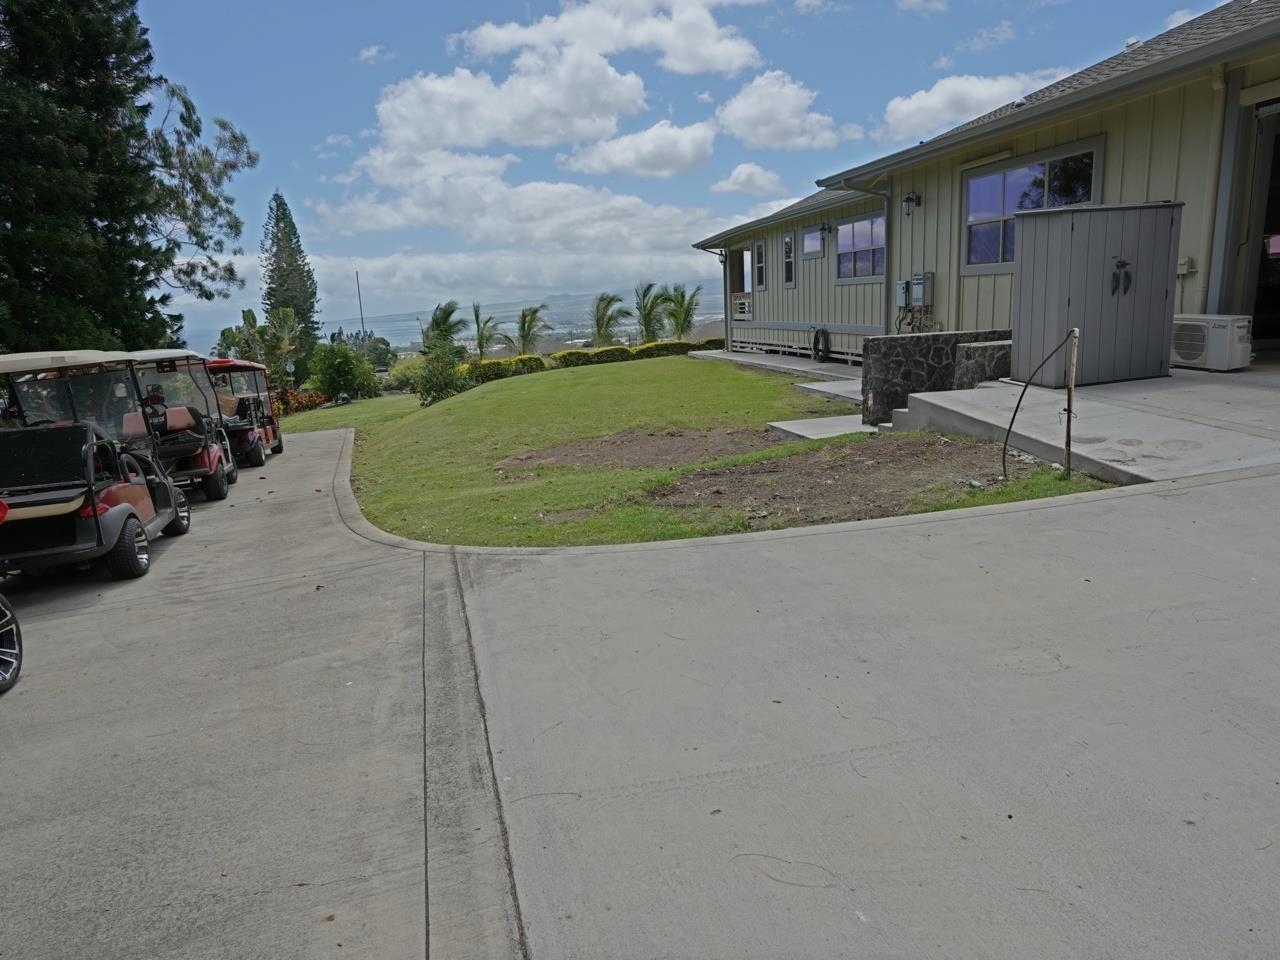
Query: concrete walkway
[[1042, 729], [778, 363]]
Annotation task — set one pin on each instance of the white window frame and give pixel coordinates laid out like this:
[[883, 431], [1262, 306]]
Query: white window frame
[[758, 266], [870, 278], [820, 230], [1096, 145], [789, 235]]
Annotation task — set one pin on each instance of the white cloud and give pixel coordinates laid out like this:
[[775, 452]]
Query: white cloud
[[337, 140], [704, 96], [954, 100], [662, 150], [686, 36], [1182, 15], [772, 111], [766, 208], [812, 6], [944, 62], [923, 6], [550, 97], [750, 178], [988, 38], [374, 54]]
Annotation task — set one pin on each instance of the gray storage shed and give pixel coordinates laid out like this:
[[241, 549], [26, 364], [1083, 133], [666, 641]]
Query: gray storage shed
[[1109, 270]]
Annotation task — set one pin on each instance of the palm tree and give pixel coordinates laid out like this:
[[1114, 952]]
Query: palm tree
[[606, 316], [529, 329], [486, 330], [280, 342], [651, 311], [681, 308], [444, 325]]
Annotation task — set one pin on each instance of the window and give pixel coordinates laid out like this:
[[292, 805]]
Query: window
[[812, 242], [993, 197], [788, 259], [757, 261], [860, 248]]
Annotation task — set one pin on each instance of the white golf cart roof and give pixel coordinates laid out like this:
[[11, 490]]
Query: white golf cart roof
[[66, 359], [152, 356]]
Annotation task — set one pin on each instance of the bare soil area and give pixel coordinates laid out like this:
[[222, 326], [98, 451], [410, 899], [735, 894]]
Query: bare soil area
[[883, 475], [672, 447]]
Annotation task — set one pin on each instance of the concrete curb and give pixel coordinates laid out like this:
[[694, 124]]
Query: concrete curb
[[351, 516]]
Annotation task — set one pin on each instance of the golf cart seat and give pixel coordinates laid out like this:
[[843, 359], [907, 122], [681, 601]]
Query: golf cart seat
[[133, 425], [183, 434]]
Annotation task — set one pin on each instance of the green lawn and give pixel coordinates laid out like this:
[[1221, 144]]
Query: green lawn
[[428, 473]]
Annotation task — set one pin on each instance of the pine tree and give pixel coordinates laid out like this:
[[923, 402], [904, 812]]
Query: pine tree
[[76, 186], [288, 280]]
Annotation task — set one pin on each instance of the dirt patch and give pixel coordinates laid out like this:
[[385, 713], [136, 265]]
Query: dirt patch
[[879, 476], [672, 447]]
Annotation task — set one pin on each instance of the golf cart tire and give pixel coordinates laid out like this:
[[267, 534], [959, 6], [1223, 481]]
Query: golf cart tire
[[256, 457], [215, 485], [10, 646], [233, 469], [181, 521], [126, 561], [278, 447]]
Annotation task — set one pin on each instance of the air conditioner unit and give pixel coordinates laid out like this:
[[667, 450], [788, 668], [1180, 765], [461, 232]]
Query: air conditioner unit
[[1211, 341]]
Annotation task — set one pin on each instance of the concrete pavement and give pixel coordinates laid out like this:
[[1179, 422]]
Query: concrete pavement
[[1044, 730]]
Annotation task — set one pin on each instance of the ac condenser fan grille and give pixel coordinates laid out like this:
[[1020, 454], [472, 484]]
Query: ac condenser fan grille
[[1189, 342]]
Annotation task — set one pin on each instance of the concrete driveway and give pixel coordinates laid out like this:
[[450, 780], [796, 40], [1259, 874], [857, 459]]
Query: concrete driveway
[[1047, 730]]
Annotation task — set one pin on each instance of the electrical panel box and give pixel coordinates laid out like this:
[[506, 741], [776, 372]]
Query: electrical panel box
[[902, 293], [922, 289]]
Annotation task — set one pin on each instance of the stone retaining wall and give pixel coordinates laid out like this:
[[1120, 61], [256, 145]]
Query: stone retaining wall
[[976, 362], [896, 366]]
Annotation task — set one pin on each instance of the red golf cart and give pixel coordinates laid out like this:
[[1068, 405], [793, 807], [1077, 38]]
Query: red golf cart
[[10, 635], [244, 396], [79, 471], [188, 424]]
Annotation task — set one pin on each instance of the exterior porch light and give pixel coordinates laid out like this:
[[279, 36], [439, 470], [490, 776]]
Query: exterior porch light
[[910, 201]]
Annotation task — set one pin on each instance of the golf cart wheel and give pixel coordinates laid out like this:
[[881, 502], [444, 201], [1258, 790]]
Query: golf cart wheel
[[181, 521], [278, 447], [256, 457], [10, 646], [233, 471], [215, 484], [130, 558]]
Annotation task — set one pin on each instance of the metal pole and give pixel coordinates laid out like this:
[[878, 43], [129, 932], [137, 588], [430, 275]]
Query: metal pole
[[360, 300], [1071, 397]]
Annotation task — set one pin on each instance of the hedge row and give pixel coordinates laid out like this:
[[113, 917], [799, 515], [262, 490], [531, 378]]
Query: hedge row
[[482, 371]]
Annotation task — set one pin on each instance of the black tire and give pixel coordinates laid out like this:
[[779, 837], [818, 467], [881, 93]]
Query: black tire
[[215, 484], [278, 447], [181, 521], [10, 646], [821, 346], [256, 457], [130, 558], [233, 469]]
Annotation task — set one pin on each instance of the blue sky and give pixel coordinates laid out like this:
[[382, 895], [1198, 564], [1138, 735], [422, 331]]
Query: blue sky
[[506, 150]]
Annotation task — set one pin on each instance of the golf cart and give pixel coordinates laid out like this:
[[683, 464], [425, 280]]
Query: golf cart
[[10, 635], [244, 397], [191, 440], [78, 467]]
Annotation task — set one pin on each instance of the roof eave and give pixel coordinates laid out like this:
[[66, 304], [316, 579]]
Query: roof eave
[[715, 242], [1234, 45]]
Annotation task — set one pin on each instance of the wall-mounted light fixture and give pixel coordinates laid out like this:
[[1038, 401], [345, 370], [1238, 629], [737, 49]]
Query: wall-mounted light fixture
[[723, 257], [909, 202], [825, 228]]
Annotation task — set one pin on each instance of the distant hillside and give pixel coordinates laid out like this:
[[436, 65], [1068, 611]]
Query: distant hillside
[[566, 312]]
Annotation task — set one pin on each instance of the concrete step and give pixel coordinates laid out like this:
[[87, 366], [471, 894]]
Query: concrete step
[[821, 427], [845, 391]]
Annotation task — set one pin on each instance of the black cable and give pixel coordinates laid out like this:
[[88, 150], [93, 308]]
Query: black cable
[[1004, 451]]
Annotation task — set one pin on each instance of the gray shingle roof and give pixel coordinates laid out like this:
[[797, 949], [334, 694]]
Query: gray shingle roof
[[815, 202], [1212, 34]]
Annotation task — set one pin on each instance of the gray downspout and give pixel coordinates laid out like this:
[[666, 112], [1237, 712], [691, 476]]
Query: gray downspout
[[1222, 212]]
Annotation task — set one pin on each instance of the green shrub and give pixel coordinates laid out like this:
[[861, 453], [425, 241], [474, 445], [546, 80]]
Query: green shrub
[[405, 374], [336, 368], [711, 343], [441, 377], [572, 358], [482, 371], [611, 354], [663, 348]]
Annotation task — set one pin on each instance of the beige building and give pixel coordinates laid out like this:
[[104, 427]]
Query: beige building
[[1191, 115]]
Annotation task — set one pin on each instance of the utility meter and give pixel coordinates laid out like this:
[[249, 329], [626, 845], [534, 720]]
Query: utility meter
[[922, 289]]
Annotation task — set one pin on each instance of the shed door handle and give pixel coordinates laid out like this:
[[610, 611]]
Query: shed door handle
[[1128, 280], [1115, 281]]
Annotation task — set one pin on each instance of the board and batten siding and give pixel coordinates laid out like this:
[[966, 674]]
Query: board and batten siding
[[1156, 147], [783, 316]]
